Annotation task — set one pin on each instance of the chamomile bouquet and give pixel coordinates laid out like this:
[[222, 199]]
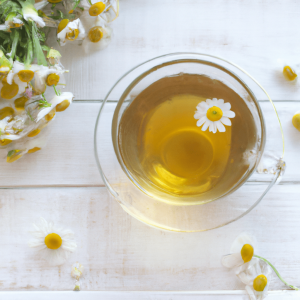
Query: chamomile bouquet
[[32, 78]]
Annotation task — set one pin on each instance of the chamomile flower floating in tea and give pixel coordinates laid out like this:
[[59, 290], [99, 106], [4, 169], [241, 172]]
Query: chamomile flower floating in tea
[[252, 269], [54, 243], [213, 115], [296, 120]]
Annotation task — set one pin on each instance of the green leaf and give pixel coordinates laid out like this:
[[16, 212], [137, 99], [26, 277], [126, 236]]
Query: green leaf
[[15, 39], [38, 51]]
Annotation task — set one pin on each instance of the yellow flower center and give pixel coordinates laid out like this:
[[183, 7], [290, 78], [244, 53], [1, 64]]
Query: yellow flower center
[[95, 34], [214, 113], [6, 112], [73, 35], [8, 91], [62, 106], [50, 116], [96, 9], [53, 241], [34, 133], [52, 79], [260, 283], [62, 25], [289, 73], [20, 103], [34, 150], [26, 75], [247, 253], [296, 121], [5, 142], [71, 11]]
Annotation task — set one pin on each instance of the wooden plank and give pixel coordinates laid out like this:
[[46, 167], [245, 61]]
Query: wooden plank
[[121, 254], [224, 295], [251, 34], [68, 159]]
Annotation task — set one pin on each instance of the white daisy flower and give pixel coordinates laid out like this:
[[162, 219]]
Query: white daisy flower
[[108, 10], [253, 270], [241, 251], [54, 243], [214, 114], [256, 275], [45, 76], [70, 31], [98, 34]]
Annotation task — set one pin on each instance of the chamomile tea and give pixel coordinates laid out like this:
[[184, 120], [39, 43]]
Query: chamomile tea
[[174, 156]]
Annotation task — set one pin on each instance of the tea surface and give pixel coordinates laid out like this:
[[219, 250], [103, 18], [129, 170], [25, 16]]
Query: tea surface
[[165, 152]]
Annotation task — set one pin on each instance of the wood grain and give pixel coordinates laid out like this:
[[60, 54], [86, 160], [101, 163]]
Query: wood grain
[[224, 295], [252, 34], [68, 159], [121, 254]]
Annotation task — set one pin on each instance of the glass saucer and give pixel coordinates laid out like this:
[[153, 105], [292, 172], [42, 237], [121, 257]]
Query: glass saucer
[[266, 165]]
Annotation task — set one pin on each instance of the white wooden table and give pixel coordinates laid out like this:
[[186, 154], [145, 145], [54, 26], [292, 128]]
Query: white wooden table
[[62, 182]]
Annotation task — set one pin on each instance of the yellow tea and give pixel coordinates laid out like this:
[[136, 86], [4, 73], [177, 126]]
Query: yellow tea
[[169, 157]]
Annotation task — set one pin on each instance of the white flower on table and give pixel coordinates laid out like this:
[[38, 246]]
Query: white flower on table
[[256, 275], [54, 243], [241, 251], [214, 114], [253, 270]]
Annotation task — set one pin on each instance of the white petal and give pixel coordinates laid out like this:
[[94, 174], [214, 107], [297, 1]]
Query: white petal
[[220, 102], [226, 121], [203, 105], [17, 67], [250, 292], [198, 115], [4, 27], [201, 121], [241, 240], [10, 77], [209, 102], [229, 114], [213, 127], [34, 18], [226, 106], [232, 260], [206, 125], [215, 102], [220, 126]]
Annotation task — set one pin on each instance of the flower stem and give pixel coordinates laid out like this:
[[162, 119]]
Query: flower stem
[[277, 273]]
